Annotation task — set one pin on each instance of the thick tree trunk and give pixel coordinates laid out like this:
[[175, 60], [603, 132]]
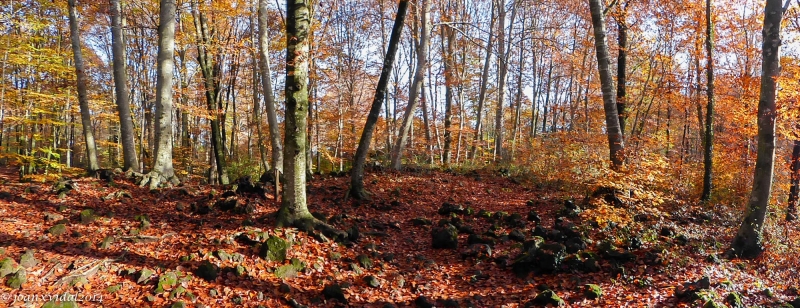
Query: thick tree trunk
[[416, 86], [357, 174], [613, 130], [749, 241], [129, 158], [487, 62], [82, 83], [162, 166], [294, 209], [708, 155], [266, 83]]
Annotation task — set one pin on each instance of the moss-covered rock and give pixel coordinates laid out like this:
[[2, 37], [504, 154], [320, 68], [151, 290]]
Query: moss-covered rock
[[547, 297], [372, 281], [285, 271], [734, 300], [274, 249], [57, 230], [592, 291], [27, 260], [713, 304], [144, 275], [7, 267], [18, 279], [421, 221], [113, 289], [106, 243], [166, 281], [87, 216], [334, 291], [364, 261], [207, 271], [178, 304]]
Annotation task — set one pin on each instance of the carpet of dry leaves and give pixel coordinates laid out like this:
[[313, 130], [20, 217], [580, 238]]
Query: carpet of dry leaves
[[385, 225]]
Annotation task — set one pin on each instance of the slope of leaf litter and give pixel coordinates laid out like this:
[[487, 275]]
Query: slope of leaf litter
[[179, 239]]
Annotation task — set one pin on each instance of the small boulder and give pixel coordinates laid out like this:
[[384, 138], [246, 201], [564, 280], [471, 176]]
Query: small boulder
[[27, 260], [423, 302], [534, 217], [364, 261], [445, 237], [372, 281], [592, 291], [516, 235], [734, 300], [421, 221], [478, 251], [274, 249], [57, 230], [7, 267], [87, 216], [334, 291], [207, 271], [50, 216], [547, 297], [17, 280], [448, 208]]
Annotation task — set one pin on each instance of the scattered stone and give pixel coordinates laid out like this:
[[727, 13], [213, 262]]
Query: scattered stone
[[667, 231], [334, 291], [166, 281], [734, 300], [423, 302], [485, 214], [87, 216], [50, 216], [27, 260], [466, 229], [478, 251], [353, 234], [575, 244], [421, 221], [178, 304], [545, 259], [144, 275], [364, 261], [445, 237], [274, 249], [372, 281], [480, 239], [516, 235], [222, 255], [545, 298], [284, 288], [682, 239], [534, 217], [227, 204], [448, 208], [207, 271], [57, 230], [18, 279], [7, 267], [690, 290], [285, 271], [592, 291]]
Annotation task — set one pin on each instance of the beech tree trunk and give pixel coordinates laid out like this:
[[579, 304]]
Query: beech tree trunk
[[416, 86], [613, 129], [708, 155], [749, 241], [794, 189], [484, 85], [129, 158], [357, 174], [162, 164], [82, 82], [212, 90], [266, 83]]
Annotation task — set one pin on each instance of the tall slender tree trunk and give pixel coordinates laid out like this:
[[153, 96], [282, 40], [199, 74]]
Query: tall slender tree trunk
[[357, 174], [708, 154], [622, 63], [212, 90], [448, 36], [262, 151], [487, 62], [613, 129], [82, 83], [416, 86], [266, 83], [129, 158], [794, 188], [749, 241], [162, 164]]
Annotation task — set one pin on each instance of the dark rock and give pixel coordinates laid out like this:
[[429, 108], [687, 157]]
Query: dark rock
[[485, 214], [478, 251], [423, 302], [534, 243], [388, 257], [466, 229], [568, 229], [667, 231], [207, 271], [372, 281], [734, 300], [682, 239], [364, 261], [448, 208], [540, 231], [634, 242], [533, 216], [643, 217], [245, 185], [445, 237], [479, 239], [515, 221], [334, 291], [575, 244], [4, 195], [448, 303], [500, 215], [592, 291], [689, 291], [546, 259], [555, 235], [227, 204], [353, 234], [545, 298], [516, 235], [245, 240], [87, 216]]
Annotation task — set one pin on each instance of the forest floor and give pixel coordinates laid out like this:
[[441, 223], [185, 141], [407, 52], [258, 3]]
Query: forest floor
[[115, 245]]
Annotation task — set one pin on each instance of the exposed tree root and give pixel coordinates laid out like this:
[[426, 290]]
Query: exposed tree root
[[155, 180]]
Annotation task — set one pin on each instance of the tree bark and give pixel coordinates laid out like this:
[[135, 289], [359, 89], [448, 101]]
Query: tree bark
[[266, 83], [129, 158], [794, 189], [357, 174], [484, 85], [749, 241], [162, 164], [212, 90], [708, 155], [448, 35], [82, 83], [416, 86], [613, 129]]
